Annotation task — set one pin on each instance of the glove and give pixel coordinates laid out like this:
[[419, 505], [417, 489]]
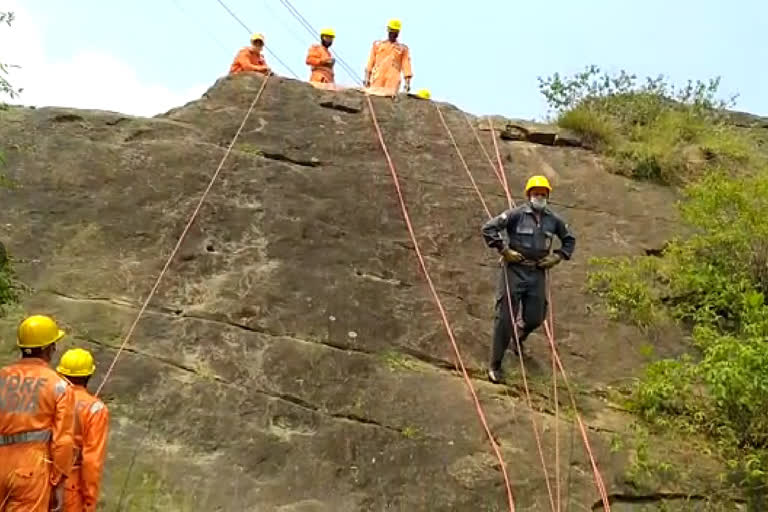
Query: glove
[[331, 61], [549, 261], [367, 82], [511, 256]]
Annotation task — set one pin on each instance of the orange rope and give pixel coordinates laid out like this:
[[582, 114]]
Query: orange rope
[[463, 162], [529, 402], [181, 239], [585, 439], [440, 307]]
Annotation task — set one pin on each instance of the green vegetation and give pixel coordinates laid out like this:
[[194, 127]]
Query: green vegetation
[[713, 283], [651, 130], [8, 290], [5, 86], [6, 89]]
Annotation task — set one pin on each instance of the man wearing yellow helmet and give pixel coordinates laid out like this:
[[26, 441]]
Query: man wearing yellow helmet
[[36, 422], [320, 60], [388, 59], [523, 236], [81, 488], [250, 58]]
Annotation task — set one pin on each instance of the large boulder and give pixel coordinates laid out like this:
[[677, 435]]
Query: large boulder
[[293, 358]]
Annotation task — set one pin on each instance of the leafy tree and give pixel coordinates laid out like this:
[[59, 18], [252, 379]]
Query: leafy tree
[[6, 87]]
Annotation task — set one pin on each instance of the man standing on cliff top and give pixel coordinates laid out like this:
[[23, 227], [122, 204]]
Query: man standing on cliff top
[[387, 61], [529, 229], [320, 60]]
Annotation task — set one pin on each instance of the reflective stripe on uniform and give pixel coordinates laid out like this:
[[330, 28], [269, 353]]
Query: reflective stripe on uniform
[[42, 436]]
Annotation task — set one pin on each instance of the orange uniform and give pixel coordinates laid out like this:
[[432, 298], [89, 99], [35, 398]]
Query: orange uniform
[[248, 60], [319, 59], [36, 434], [386, 62], [81, 488]]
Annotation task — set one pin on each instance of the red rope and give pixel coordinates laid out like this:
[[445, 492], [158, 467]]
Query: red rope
[[523, 373], [463, 162], [440, 307], [556, 362], [181, 239], [501, 165], [584, 437], [488, 157], [522, 365]]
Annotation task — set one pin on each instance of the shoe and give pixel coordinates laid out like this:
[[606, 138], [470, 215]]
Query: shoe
[[495, 376]]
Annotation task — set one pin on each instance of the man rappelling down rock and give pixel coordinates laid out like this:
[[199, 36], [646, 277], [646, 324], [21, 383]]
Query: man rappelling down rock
[[529, 230]]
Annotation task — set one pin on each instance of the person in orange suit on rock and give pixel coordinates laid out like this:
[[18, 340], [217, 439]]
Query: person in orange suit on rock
[[81, 488], [320, 60], [387, 61], [250, 58], [37, 409]]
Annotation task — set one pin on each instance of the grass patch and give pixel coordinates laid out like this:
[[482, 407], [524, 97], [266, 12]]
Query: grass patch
[[398, 361], [248, 148], [9, 293]]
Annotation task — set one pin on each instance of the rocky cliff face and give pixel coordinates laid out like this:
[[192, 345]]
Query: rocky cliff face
[[293, 359]]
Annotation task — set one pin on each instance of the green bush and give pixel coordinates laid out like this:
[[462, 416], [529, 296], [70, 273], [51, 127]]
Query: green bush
[[650, 130], [715, 282], [8, 293]]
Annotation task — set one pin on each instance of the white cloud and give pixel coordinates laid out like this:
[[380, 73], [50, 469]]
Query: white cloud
[[87, 79]]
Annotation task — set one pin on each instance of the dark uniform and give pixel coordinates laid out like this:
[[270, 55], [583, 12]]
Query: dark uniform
[[530, 233]]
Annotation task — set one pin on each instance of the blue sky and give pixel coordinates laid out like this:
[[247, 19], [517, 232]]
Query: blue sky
[[484, 56]]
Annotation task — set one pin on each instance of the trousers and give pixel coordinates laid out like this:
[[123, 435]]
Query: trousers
[[528, 294], [24, 478]]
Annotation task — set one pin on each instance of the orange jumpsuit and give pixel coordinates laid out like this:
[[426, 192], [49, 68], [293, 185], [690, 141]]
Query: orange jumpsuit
[[81, 488], [386, 62], [248, 60], [317, 59], [36, 434]]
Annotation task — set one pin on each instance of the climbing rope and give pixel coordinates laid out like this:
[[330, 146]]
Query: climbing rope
[[182, 237], [526, 388], [600, 485], [463, 162], [549, 329], [487, 156], [438, 302]]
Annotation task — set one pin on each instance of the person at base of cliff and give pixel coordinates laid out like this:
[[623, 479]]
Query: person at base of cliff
[[320, 60], [250, 58], [37, 409], [529, 230], [82, 485], [388, 59]]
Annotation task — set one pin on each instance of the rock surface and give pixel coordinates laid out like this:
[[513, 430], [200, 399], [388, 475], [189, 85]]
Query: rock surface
[[293, 359]]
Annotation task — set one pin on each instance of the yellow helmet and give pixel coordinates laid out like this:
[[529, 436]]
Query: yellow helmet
[[257, 36], [394, 25], [537, 181], [328, 32], [424, 94], [76, 362], [38, 331]]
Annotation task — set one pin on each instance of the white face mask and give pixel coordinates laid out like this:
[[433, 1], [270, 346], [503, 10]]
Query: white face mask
[[538, 203]]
